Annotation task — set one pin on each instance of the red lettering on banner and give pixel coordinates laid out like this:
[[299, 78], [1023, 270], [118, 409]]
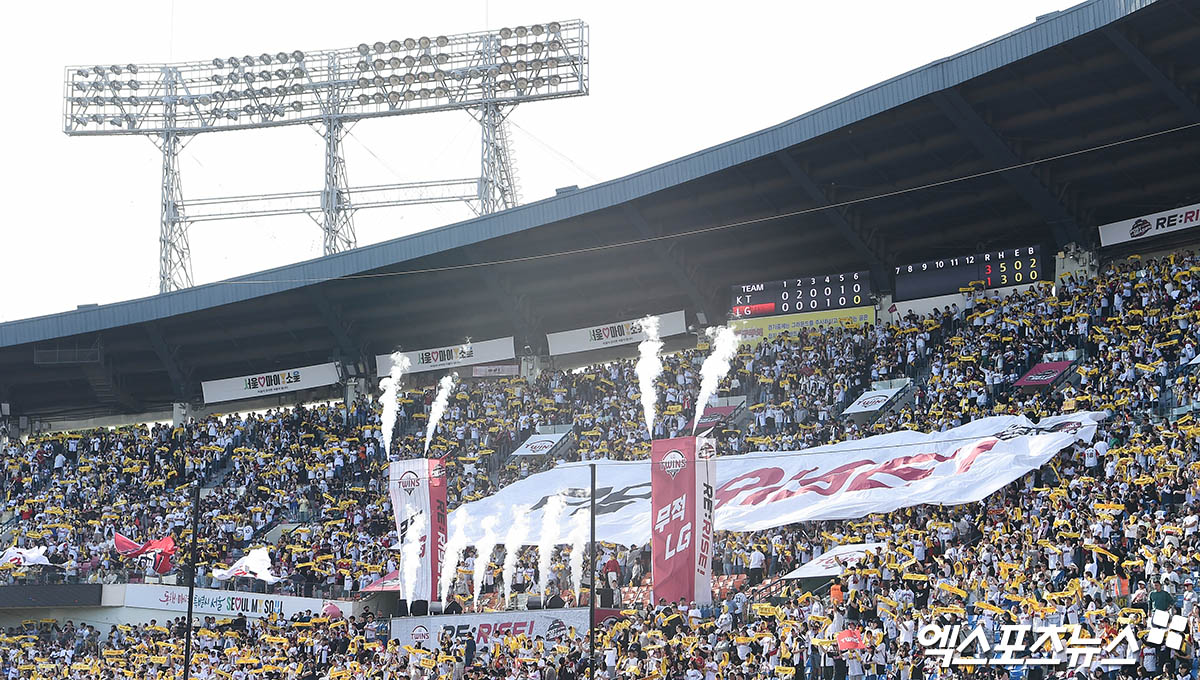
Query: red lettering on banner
[[750, 480], [481, 635], [901, 467], [834, 480], [762, 484]]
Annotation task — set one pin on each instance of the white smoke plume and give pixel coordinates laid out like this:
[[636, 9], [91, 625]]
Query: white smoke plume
[[649, 367], [517, 531], [579, 541], [391, 391], [454, 549], [551, 515], [410, 555], [715, 367], [483, 556], [439, 406]]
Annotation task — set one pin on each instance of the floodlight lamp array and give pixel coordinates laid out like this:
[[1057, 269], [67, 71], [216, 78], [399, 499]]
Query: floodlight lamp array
[[507, 66]]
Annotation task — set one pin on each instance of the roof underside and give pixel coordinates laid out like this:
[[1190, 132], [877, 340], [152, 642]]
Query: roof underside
[[1090, 76]]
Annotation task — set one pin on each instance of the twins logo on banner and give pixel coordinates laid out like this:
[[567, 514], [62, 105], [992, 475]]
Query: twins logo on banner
[[681, 503], [847, 480]]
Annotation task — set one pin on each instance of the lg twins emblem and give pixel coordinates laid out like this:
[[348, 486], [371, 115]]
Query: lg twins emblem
[[409, 482], [1042, 376], [673, 462], [1139, 228]]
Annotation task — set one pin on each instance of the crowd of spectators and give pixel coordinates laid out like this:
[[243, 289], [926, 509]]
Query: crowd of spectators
[[1091, 539]]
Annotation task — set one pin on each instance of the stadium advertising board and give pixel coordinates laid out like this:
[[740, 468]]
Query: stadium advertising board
[[550, 624], [225, 603], [495, 371], [539, 444], [613, 334], [1149, 226], [872, 400], [847, 480], [275, 382], [451, 356], [753, 330]]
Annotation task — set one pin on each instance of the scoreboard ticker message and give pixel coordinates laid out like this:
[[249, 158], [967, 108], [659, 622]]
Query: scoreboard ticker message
[[800, 294]]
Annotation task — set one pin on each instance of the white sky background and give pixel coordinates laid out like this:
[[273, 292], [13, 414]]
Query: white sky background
[[667, 79]]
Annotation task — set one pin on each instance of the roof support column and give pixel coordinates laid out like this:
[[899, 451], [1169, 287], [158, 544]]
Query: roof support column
[[870, 247], [997, 152], [528, 327], [179, 377], [350, 348], [708, 310]]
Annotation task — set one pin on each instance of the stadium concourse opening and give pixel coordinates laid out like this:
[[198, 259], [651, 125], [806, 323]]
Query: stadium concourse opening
[[983, 457]]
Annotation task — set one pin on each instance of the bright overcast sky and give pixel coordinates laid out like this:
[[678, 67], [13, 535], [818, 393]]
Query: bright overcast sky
[[667, 79]]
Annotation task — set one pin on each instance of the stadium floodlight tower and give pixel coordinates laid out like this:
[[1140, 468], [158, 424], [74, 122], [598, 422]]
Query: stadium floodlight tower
[[485, 73]]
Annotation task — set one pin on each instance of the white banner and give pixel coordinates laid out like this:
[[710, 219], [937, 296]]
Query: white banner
[[417, 488], [451, 356], [1148, 226], [276, 382], [847, 480], [539, 444], [834, 562], [226, 603], [495, 371], [872, 400], [613, 334], [550, 624]]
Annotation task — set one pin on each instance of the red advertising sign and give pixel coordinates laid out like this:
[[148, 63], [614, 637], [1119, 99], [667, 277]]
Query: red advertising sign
[[1043, 374], [682, 491]]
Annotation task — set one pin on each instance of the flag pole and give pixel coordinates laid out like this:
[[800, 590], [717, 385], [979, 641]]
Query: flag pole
[[595, 589], [187, 642]]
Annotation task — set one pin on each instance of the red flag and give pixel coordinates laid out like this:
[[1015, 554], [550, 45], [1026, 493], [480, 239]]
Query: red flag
[[850, 639], [162, 562], [125, 546]]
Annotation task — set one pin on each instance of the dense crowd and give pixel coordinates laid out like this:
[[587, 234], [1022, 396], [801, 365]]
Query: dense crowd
[[1099, 538]]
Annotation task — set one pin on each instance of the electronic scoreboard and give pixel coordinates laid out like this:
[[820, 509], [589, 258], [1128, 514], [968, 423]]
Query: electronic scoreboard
[[992, 269], [800, 294]]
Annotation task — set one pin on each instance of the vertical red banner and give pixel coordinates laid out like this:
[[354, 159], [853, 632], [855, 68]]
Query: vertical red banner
[[418, 487], [681, 512]]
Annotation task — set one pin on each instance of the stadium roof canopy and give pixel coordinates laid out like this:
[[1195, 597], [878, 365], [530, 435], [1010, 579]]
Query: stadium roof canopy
[[1101, 72]]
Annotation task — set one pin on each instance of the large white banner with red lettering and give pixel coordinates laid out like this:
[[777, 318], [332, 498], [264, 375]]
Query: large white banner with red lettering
[[417, 487], [847, 480], [682, 488]]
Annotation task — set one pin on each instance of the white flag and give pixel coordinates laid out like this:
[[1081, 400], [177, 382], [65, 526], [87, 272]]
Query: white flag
[[24, 558], [254, 564]]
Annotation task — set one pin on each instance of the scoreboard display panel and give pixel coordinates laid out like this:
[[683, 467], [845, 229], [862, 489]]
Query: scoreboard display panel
[[992, 269], [800, 294]]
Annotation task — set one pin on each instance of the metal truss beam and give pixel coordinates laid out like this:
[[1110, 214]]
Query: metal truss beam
[[175, 372], [870, 248], [1153, 73], [671, 254], [309, 202], [996, 151], [350, 348]]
